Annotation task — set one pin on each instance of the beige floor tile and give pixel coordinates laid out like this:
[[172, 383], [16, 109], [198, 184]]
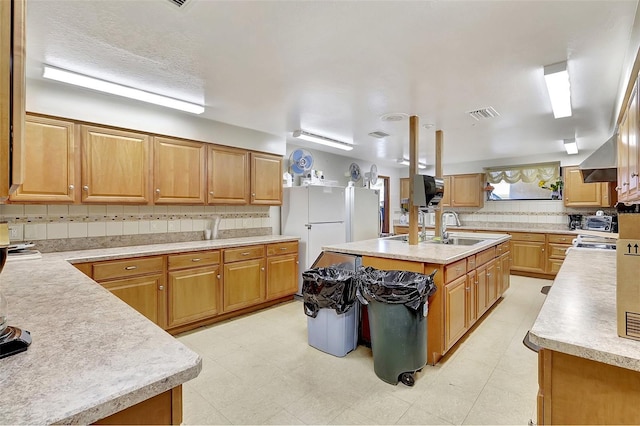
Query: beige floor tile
[[500, 407], [197, 411], [464, 374], [249, 367], [351, 417], [417, 416], [283, 417], [317, 408], [382, 407], [523, 382], [449, 403]]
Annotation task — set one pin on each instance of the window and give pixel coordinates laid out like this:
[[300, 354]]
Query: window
[[524, 182]]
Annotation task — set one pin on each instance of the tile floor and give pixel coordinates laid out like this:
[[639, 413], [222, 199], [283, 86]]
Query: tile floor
[[259, 369]]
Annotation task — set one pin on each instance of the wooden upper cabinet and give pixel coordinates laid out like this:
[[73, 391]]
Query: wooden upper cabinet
[[115, 166], [632, 162], [266, 179], [227, 176], [580, 194], [52, 165], [466, 190], [12, 95], [446, 195], [404, 190], [178, 171]]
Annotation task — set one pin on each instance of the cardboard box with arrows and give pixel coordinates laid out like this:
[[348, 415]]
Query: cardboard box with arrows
[[628, 275]]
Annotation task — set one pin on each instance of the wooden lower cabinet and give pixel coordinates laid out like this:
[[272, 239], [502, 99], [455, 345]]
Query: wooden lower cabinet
[[492, 282], [282, 276], [504, 272], [193, 294], [576, 390], [162, 409], [244, 284], [528, 256], [472, 295], [482, 290], [456, 318], [144, 294]]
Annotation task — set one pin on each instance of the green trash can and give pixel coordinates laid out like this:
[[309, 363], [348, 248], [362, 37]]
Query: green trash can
[[397, 304]]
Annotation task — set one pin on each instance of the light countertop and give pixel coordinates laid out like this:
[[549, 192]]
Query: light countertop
[[427, 252], [578, 316], [92, 355]]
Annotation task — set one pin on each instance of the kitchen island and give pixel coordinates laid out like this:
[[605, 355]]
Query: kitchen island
[[587, 373], [470, 279], [93, 358]]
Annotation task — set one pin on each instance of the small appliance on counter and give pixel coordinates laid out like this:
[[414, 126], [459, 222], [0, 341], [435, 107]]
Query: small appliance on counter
[[575, 221], [599, 222], [13, 340], [428, 190]]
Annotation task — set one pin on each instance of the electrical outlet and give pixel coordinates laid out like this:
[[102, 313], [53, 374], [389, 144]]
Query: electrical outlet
[[15, 232]]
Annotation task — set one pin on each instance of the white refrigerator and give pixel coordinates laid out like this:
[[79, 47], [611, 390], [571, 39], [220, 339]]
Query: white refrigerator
[[362, 213], [317, 215]]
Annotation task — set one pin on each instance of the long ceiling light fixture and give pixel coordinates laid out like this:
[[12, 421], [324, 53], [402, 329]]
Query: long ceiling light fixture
[[405, 162], [116, 89], [571, 146], [322, 140], [557, 78]]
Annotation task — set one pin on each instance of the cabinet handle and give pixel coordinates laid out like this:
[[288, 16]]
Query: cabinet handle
[[262, 269], [196, 259], [71, 187], [130, 268], [253, 194], [283, 248], [246, 253], [458, 269], [625, 183], [488, 275], [210, 192], [161, 288], [85, 188], [467, 288], [218, 276], [634, 175], [542, 249], [297, 262], [157, 190], [618, 188]]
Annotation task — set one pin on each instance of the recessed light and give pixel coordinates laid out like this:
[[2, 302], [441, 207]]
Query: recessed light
[[428, 125], [394, 116], [378, 134]]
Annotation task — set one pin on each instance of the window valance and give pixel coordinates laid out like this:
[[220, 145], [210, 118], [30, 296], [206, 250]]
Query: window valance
[[526, 173]]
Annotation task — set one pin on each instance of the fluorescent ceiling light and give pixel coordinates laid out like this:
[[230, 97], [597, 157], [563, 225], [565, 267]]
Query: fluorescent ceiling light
[[322, 140], [405, 162], [557, 78], [571, 146], [116, 89]]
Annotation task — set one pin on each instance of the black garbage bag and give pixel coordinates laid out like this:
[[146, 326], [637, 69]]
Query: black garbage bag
[[394, 287], [328, 288]]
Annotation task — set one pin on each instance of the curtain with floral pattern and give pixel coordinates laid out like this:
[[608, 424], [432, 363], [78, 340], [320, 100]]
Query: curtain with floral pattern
[[527, 173]]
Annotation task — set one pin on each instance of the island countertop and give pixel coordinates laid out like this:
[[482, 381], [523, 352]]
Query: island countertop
[[428, 252], [92, 355], [578, 316]]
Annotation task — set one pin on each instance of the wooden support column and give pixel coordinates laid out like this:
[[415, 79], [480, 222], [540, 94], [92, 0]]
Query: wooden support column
[[414, 125], [439, 143]]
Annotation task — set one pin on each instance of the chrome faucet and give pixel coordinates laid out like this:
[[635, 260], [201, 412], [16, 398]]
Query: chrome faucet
[[422, 236], [444, 235]]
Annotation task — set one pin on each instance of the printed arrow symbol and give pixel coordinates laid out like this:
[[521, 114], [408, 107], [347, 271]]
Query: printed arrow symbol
[[629, 247], [636, 247]]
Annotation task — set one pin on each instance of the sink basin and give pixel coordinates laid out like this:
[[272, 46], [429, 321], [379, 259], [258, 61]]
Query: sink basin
[[399, 238], [458, 241]]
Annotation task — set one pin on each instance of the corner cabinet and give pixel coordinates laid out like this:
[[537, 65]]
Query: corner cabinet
[[266, 179], [12, 94], [227, 176], [576, 193], [115, 166], [52, 172], [178, 171]]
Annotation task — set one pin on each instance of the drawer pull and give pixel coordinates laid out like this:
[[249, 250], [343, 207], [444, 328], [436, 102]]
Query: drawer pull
[[246, 253], [262, 269], [130, 268], [218, 276], [283, 248], [161, 288], [196, 259], [458, 269]]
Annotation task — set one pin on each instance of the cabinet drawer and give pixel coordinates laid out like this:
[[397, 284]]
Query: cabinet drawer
[[485, 256], [195, 259], [471, 262], [557, 251], [554, 266], [527, 236], [502, 248], [126, 268], [282, 248], [243, 253], [560, 239], [455, 270]]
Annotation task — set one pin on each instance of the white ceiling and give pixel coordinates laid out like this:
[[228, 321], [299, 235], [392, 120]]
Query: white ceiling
[[334, 67]]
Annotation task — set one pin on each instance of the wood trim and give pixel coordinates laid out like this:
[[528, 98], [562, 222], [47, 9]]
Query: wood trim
[[627, 94], [19, 93], [164, 408], [414, 129], [439, 173]]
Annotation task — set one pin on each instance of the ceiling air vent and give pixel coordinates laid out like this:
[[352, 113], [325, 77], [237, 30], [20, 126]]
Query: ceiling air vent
[[394, 116], [483, 113], [178, 3], [378, 134]]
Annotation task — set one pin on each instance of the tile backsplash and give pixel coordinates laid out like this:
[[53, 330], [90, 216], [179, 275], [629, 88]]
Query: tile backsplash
[[109, 225]]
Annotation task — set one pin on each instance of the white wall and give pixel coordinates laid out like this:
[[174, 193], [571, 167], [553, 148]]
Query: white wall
[[81, 104]]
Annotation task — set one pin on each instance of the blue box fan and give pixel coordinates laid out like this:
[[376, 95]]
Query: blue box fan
[[300, 161]]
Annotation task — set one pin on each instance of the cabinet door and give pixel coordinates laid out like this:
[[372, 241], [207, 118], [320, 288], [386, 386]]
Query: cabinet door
[[282, 276], [528, 256], [266, 179], [178, 171], [244, 284], [472, 295], [144, 294], [456, 319], [446, 195], [115, 166], [51, 162], [505, 270], [633, 130], [404, 190], [492, 282], [623, 159], [466, 190], [194, 294], [580, 194], [228, 176], [482, 293]]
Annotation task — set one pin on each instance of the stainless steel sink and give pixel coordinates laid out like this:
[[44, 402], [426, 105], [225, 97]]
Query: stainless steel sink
[[457, 241], [399, 238]]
